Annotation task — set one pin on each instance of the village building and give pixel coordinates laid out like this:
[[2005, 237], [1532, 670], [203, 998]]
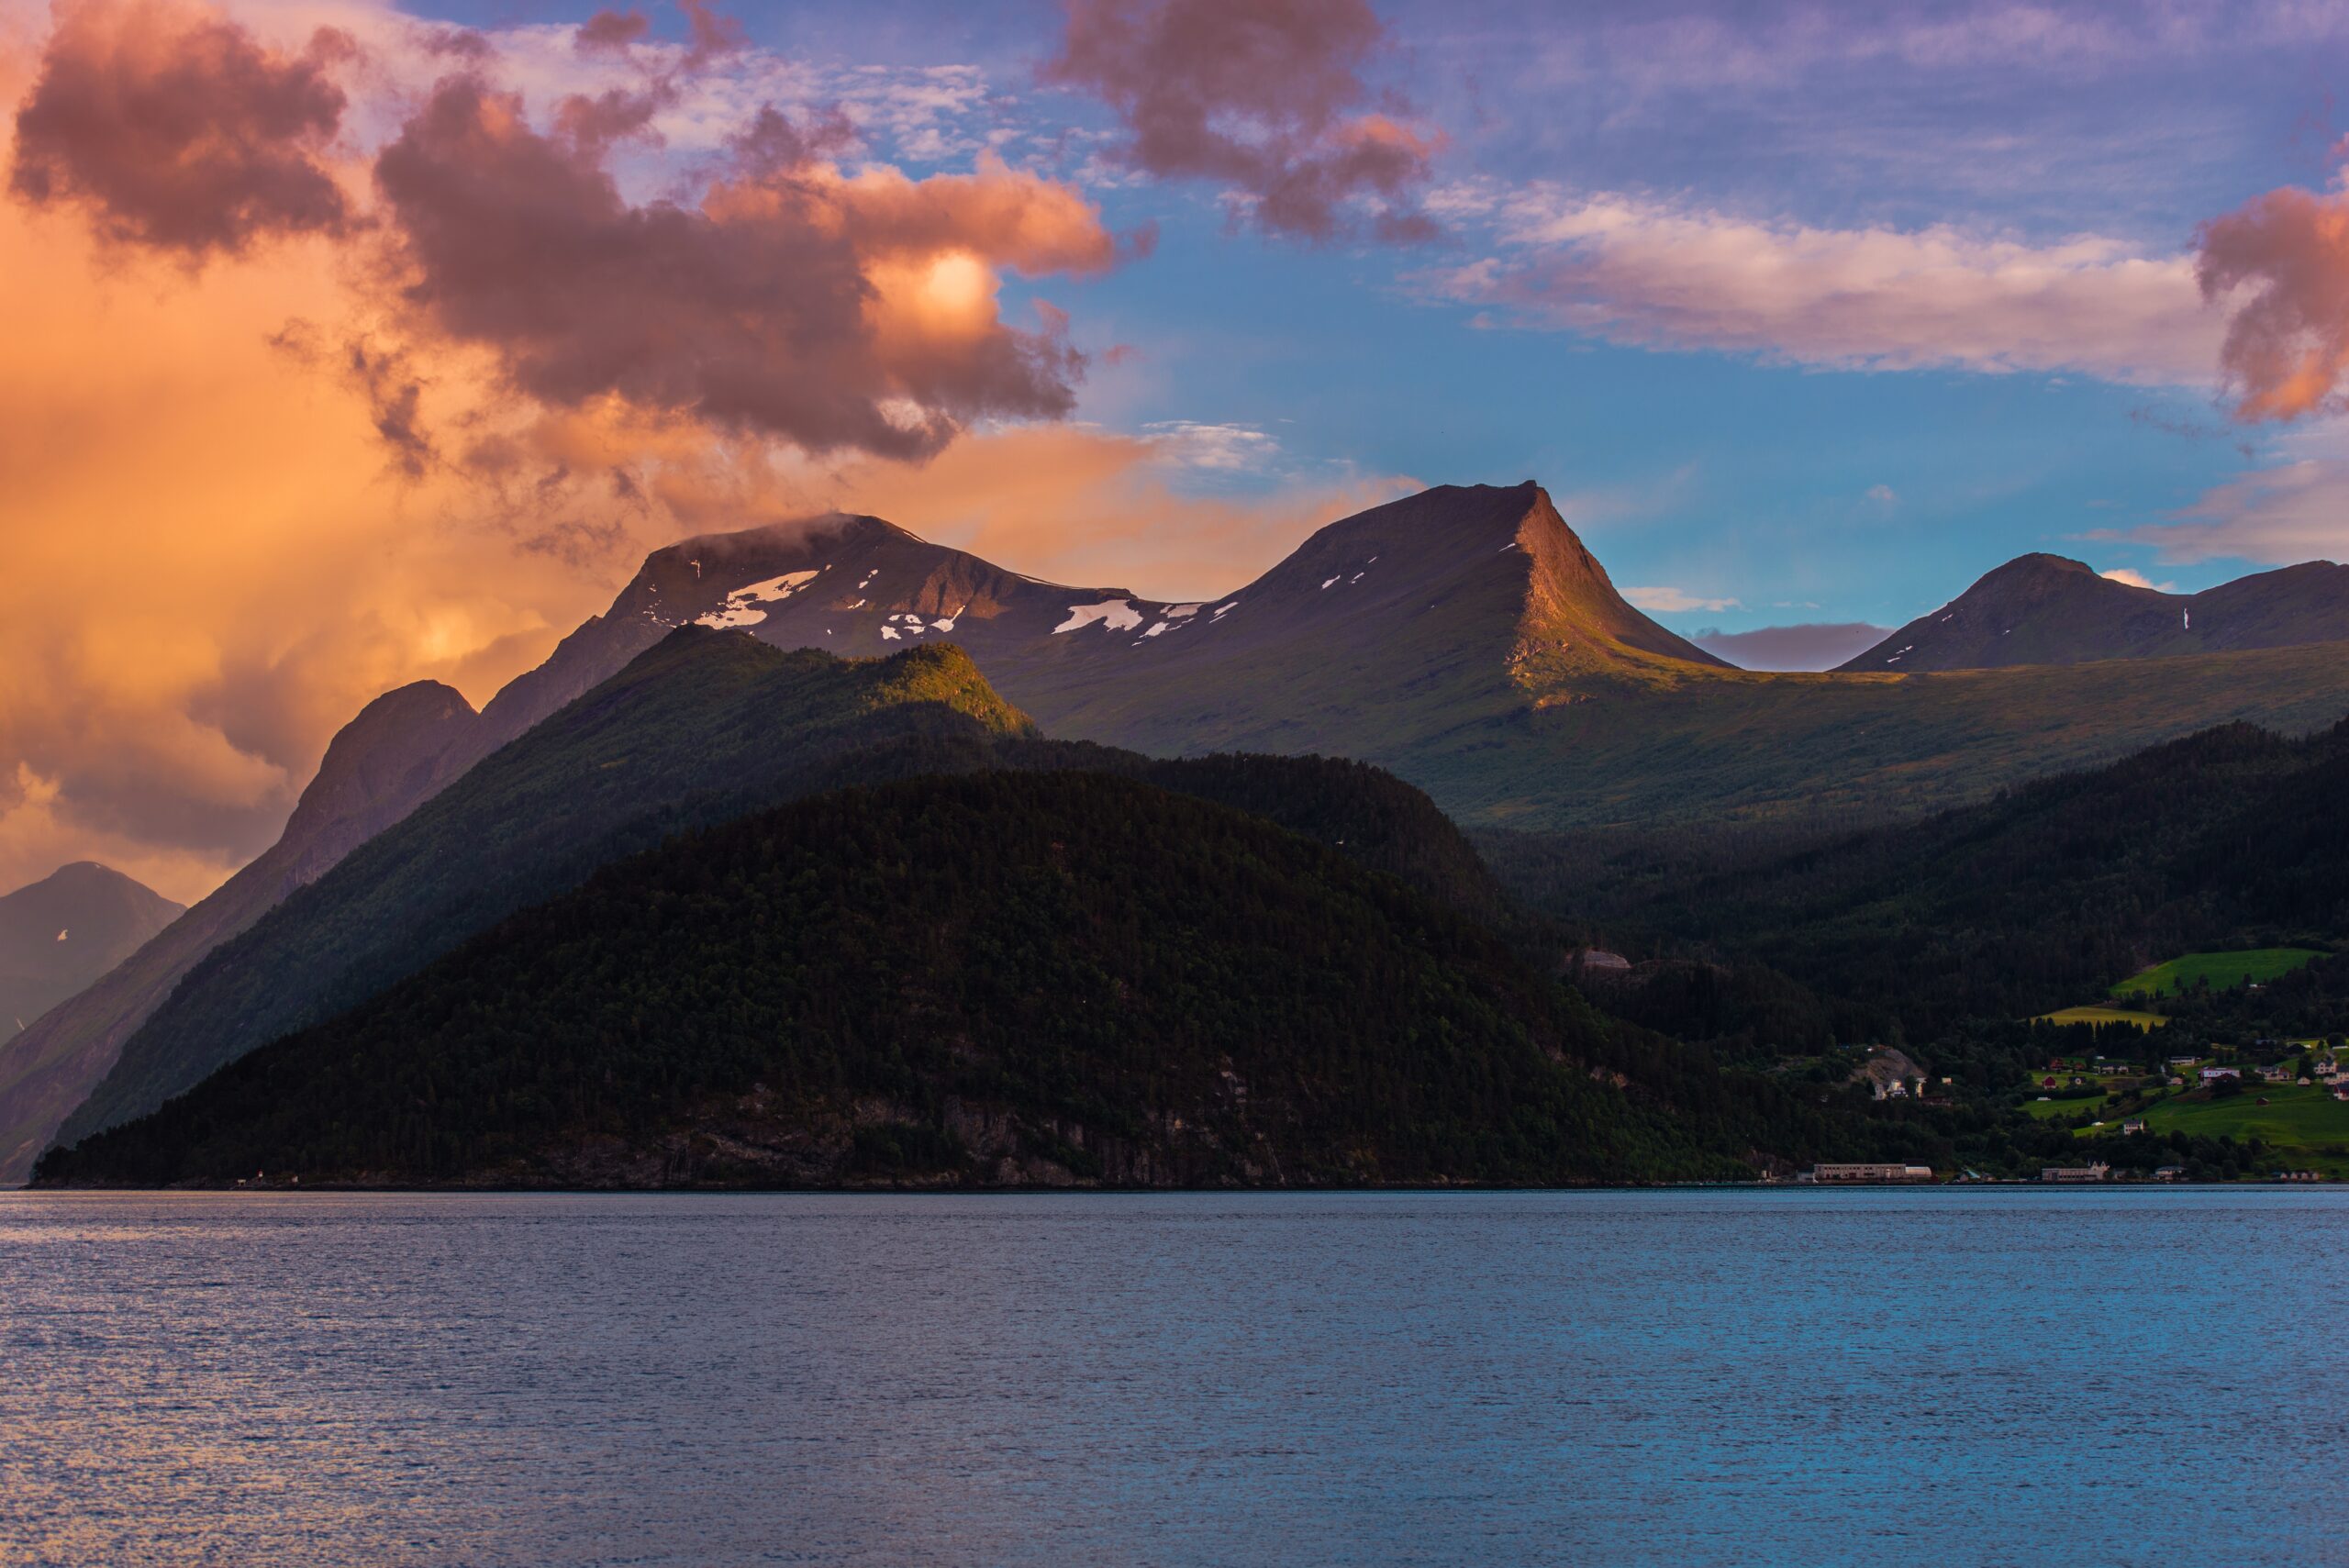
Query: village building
[[2095, 1173], [2213, 1075], [1868, 1173]]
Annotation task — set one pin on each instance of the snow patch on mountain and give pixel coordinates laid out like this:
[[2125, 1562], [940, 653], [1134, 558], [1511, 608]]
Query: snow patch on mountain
[[742, 606], [1116, 615]]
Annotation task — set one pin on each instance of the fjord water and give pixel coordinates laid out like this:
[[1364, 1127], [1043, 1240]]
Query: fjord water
[[1801, 1377]]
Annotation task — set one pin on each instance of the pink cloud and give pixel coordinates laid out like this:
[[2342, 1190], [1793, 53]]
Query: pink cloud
[[2280, 262], [1674, 601], [174, 128], [610, 29], [1266, 96]]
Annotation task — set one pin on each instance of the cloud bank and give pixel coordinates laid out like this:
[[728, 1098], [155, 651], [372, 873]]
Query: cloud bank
[[1633, 271]]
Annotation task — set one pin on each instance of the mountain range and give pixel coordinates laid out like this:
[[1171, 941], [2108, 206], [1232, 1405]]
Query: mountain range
[[61, 933], [1464, 639], [2048, 609]]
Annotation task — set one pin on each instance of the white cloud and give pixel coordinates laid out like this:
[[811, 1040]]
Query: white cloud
[[1226, 448], [2294, 510], [914, 115], [2136, 579], [1632, 270], [1674, 601], [1882, 495]]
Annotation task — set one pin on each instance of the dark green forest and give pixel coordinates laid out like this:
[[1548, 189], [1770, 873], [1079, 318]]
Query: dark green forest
[[989, 979], [2033, 901]]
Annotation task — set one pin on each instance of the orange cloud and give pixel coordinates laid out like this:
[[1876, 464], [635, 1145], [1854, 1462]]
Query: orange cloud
[[205, 564], [837, 314], [789, 301], [2281, 262]]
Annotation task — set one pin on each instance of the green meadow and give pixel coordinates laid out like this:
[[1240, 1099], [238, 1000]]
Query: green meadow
[[2220, 969], [2306, 1128]]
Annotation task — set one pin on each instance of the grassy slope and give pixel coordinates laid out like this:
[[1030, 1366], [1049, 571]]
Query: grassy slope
[[1736, 744], [996, 978], [2294, 1117], [1561, 746], [2220, 968]]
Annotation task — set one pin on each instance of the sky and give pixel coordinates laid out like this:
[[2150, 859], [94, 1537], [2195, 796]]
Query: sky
[[346, 344]]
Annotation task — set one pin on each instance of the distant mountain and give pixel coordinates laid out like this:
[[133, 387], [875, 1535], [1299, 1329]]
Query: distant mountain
[[860, 586], [1043, 979], [64, 931], [1464, 639], [1809, 646], [401, 747], [2047, 609]]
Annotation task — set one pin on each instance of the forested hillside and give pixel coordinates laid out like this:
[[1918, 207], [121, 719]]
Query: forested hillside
[[705, 726], [1003, 979], [2038, 898]]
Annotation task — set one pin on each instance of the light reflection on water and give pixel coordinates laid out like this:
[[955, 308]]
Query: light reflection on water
[[1912, 1377]]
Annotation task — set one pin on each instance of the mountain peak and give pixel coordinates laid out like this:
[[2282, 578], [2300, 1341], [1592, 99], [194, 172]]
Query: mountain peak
[[2039, 563], [1573, 608], [398, 749], [2050, 609]]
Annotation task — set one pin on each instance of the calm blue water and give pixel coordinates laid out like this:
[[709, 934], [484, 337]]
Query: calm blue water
[[1918, 1378]]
